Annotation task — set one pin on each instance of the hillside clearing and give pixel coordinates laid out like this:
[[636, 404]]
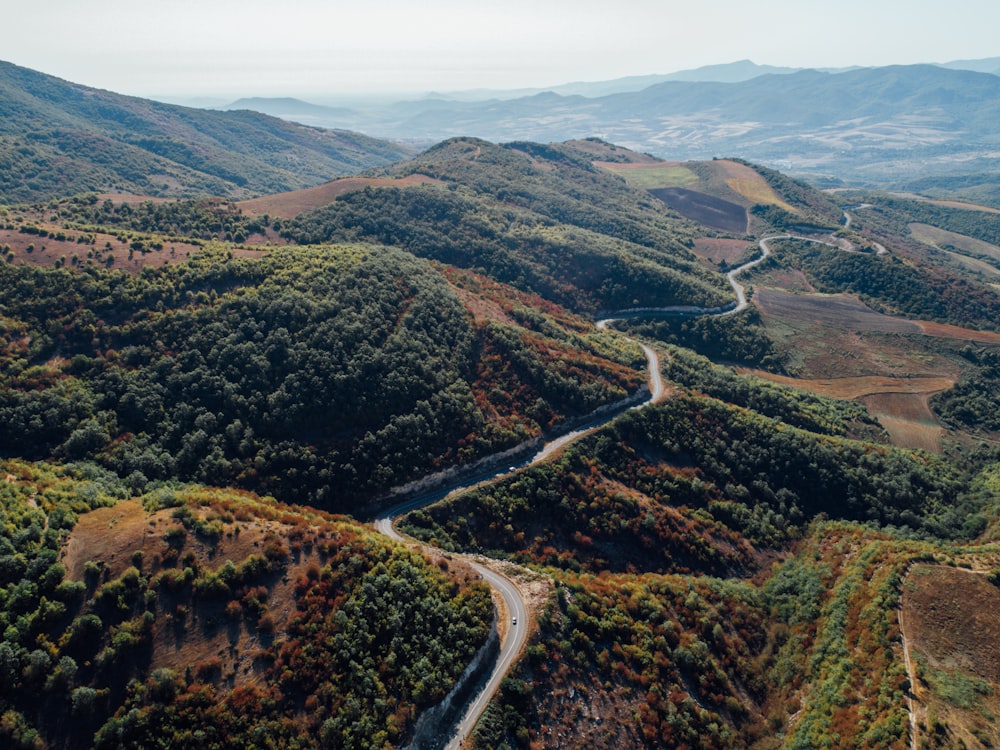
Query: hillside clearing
[[949, 617], [718, 250], [651, 176], [291, 204]]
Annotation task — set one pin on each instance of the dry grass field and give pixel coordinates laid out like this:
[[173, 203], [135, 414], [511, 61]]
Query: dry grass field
[[949, 618], [288, 205], [728, 180], [748, 183], [937, 237]]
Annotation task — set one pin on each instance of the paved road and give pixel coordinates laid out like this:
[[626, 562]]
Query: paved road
[[517, 607], [741, 293], [516, 636]]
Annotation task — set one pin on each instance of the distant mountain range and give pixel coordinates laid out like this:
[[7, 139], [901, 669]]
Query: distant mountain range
[[881, 126], [916, 127], [59, 138]]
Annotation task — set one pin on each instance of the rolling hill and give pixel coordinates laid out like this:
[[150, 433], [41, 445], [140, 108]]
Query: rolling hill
[[59, 138], [722, 568], [885, 126]]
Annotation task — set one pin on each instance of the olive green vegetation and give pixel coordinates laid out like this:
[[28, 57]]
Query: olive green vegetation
[[536, 217], [898, 213], [738, 338], [59, 138], [377, 632], [658, 531], [974, 402], [195, 219], [323, 375], [674, 487], [818, 414], [720, 560], [893, 284]]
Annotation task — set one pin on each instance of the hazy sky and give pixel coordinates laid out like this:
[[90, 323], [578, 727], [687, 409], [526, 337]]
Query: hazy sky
[[315, 47]]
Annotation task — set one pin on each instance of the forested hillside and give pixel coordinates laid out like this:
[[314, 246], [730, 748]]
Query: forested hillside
[[197, 615], [59, 138], [663, 532], [538, 217], [322, 375]]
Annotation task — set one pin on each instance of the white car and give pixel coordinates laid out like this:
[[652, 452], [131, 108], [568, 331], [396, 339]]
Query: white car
[[514, 621]]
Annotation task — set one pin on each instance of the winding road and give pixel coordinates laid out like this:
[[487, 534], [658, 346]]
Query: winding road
[[517, 607]]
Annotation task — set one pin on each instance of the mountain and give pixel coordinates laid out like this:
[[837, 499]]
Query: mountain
[[878, 125], [288, 105], [888, 126], [734, 72], [741, 70], [59, 138], [986, 65]]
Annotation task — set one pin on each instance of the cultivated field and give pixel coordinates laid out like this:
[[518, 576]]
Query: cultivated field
[[748, 183], [866, 386], [838, 311], [648, 176], [940, 237], [908, 418], [844, 349], [704, 208]]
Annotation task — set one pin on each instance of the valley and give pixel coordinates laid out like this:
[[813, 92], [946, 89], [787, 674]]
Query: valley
[[715, 467]]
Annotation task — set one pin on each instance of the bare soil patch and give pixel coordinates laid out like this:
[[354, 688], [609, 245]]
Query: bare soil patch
[[483, 309], [840, 311], [862, 386], [719, 250], [945, 331], [105, 250], [787, 279], [949, 617], [704, 208], [291, 204]]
